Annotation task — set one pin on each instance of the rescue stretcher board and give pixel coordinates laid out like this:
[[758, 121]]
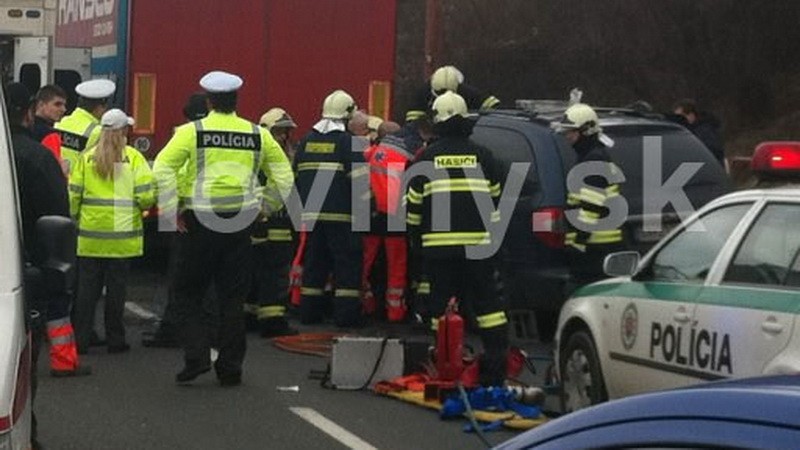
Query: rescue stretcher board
[[510, 419]]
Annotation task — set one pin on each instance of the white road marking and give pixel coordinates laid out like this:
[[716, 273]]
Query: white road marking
[[332, 429]]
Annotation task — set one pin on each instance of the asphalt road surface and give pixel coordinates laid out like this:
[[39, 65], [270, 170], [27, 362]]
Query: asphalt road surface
[[132, 402]]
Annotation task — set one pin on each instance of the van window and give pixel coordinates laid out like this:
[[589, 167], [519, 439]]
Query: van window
[[67, 80], [769, 253], [31, 76]]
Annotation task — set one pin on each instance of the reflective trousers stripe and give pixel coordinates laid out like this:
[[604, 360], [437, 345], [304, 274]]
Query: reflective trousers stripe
[[279, 235], [424, 288], [347, 293], [313, 292], [269, 312], [492, 320]]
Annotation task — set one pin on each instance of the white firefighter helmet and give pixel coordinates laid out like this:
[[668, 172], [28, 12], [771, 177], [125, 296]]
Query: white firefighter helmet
[[277, 117], [448, 105], [580, 117], [338, 105], [446, 78]]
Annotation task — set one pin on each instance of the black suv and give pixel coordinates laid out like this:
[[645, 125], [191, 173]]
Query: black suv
[[533, 264]]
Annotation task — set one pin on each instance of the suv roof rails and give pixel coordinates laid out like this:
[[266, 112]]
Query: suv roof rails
[[543, 108]]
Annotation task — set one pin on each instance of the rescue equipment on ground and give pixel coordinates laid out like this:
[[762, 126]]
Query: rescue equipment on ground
[[315, 344], [296, 273], [450, 344]]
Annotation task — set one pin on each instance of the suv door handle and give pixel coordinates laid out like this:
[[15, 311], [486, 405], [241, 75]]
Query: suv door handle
[[771, 326], [681, 317]]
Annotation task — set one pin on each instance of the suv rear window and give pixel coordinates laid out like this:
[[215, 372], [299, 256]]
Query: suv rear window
[[678, 146], [508, 146]]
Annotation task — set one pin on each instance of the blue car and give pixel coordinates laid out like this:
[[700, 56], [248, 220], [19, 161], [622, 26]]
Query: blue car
[[751, 413]]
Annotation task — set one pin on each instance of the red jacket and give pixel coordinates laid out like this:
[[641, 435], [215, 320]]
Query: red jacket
[[387, 161]]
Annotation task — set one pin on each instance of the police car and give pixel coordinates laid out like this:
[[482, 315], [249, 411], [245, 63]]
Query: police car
[[717, 298]]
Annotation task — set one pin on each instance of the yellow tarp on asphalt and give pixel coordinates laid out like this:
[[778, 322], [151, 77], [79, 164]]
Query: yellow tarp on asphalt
[[510, 419]]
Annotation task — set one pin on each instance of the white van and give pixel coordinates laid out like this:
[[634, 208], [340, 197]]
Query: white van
[[15, 350]]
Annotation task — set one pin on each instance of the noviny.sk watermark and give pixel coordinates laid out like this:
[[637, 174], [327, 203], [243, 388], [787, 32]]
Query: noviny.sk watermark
[[304, 208]]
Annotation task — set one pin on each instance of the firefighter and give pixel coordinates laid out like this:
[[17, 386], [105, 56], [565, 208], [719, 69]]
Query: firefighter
[[588, 245], [221, 201], [81, 129], [450, 210], [272, 248], [387, 162], [449, 78], [109, 187], [326, 153]]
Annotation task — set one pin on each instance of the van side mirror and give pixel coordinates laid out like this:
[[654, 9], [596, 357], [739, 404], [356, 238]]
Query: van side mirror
[[57, 239], [621, 264]]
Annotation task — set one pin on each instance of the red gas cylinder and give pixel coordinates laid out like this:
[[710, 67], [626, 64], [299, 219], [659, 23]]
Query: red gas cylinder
[[450, 343]]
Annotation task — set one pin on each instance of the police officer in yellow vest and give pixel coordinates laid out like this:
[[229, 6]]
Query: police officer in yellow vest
[[81, 129], [109, 187], [221, 197], [272, 248]]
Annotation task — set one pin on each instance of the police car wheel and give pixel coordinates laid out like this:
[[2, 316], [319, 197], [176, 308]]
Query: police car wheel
[[582, 382]]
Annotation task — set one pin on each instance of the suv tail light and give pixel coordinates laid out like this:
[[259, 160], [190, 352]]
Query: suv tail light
[[776, 157], [548, 225]]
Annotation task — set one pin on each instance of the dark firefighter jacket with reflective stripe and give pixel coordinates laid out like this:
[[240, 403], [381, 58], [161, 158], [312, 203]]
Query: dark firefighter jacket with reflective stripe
[[475, 100], [591, 202], [328, 158], [109, 210], [466, 174]]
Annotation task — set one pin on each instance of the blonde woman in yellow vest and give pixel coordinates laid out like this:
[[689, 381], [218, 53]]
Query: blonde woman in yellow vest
[[109, 188]]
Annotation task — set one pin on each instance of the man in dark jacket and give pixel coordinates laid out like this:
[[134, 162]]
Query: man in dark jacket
[[704, 125], [51, 105], [43, 192]]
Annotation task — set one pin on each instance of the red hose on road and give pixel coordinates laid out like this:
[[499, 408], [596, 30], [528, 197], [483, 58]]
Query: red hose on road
[[315, 344]]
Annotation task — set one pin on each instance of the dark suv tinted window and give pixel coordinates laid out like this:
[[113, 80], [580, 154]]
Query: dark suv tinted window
[[677, 146], [509, 146]]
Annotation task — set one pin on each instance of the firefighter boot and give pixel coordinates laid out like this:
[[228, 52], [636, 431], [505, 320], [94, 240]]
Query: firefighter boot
[[495, 354]]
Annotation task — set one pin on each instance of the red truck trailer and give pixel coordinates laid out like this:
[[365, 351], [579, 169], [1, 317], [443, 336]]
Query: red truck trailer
[[289, 53]]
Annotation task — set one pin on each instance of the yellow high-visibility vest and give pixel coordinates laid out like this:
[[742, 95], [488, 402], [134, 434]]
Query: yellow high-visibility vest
[[79, 131], [109, 210]]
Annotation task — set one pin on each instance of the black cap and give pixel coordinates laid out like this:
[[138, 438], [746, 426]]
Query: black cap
[[196, 107], [18, 97]]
